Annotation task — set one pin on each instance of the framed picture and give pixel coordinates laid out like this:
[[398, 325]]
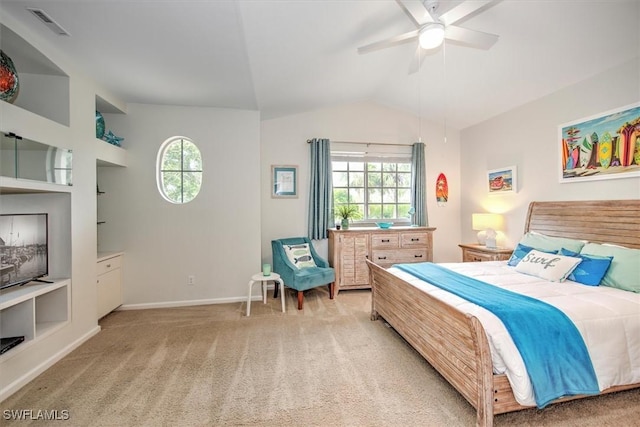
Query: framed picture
[[503, 180], [284, 181], [603, 146]]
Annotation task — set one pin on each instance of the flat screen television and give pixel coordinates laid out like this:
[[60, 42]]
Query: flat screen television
[[24, 248]]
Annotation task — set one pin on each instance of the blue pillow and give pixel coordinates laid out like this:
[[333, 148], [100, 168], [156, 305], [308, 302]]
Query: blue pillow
[[521, 251], [591, 270]]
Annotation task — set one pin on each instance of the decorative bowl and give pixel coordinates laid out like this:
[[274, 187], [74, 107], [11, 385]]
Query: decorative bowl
[[384, 225]]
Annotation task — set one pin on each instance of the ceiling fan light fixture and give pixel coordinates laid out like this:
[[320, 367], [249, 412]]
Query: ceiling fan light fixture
[[431, 35]]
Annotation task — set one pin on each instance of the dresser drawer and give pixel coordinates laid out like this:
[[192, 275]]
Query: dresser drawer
[[385, 240], [109, 265], [408, 240], [480, 253], [473, 256], [385, 258]]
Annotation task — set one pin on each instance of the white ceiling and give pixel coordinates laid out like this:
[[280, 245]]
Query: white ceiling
[[284, 56]]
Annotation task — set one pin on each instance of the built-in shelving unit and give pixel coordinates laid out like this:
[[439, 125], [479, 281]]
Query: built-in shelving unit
[[110, 159], [34, 311], [39, 121], [109, 155], [44, 87]]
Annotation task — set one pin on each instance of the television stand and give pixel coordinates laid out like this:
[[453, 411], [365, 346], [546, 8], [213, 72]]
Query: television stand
[[33, 312]]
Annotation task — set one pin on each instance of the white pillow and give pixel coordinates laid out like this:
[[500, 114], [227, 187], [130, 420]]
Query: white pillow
[[300, 255], [552, 267]]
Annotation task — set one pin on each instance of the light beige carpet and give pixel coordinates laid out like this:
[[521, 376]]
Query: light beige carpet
[[327, 365]]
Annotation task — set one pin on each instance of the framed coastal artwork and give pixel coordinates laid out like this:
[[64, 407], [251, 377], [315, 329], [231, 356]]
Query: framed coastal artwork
[[284, 181], [503, 180], [603, 146]]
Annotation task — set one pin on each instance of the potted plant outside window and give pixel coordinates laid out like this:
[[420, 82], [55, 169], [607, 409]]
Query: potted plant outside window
[[346, 213]]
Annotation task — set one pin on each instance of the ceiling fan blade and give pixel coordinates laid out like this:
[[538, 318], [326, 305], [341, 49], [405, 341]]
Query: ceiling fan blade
[[416, 11], [463, 10], [471, 38], [418, 59], [402, 38]]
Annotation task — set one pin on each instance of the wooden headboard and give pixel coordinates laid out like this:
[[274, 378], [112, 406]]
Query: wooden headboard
[[599, 221]]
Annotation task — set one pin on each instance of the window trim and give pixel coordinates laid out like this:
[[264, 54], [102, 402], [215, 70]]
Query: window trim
[[390, 158], [159, 171]]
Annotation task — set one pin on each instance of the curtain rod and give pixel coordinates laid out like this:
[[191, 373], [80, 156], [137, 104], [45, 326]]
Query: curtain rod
[[367, 143]]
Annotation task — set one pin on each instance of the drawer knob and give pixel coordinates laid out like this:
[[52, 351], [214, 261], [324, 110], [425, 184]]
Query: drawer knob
[[382, 257], [385, 240], [108, 265], [418, 256], [415, 239]]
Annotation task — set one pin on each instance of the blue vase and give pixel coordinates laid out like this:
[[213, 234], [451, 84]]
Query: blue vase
[[99, 125]]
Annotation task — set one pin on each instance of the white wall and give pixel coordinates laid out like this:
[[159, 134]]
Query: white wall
[[527, 137], [284, 143], [216, 237]]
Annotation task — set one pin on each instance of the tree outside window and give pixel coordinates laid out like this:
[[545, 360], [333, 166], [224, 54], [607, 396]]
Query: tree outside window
[[380, 190]]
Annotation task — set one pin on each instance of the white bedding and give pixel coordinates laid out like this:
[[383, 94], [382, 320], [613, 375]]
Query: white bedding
[[607, 318]]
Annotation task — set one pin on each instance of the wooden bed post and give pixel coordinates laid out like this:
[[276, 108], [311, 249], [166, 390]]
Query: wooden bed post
[[484, 376], [374, 312]]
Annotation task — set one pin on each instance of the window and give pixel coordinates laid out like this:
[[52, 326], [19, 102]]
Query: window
[[179, 170], [379, 188]]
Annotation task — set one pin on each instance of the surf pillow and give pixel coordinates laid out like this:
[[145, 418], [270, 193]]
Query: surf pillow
[[591, 270], [300, 255], [624, 272], [543, 242], [520, 252], [552, 267]]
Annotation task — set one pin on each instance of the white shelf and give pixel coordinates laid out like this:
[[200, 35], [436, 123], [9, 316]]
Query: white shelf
[[103, 256], [109, 154], [43, 328], [34, 311], [44, 87], [21, 186]]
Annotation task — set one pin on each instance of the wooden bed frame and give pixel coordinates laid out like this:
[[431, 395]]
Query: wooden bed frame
[[455, 343]]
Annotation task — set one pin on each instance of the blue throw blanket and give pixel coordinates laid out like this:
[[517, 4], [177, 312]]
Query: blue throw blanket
[[551, 346]]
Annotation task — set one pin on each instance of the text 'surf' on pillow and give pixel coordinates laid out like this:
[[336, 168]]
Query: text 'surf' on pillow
[[552, 267]]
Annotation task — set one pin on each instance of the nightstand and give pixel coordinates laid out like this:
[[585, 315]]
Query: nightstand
[[478, 253]]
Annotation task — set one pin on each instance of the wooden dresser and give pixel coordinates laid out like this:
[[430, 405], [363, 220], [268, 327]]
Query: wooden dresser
[[479, 253], [348, 250]]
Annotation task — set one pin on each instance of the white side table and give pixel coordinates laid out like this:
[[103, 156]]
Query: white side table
[[275, 277]]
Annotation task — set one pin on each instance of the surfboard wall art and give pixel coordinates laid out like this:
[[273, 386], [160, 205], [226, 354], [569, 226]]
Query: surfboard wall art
[[603, 146], [442, 190]]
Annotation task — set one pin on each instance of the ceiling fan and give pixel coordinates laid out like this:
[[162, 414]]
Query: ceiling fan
[[432, 29]]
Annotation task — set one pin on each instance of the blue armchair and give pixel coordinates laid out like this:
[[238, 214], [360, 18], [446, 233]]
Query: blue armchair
[[304, 278]]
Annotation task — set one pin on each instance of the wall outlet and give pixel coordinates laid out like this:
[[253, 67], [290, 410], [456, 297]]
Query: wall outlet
[[191, 280]]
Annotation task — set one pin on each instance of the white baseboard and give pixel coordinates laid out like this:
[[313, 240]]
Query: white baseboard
[[37, 370], [186, 303]]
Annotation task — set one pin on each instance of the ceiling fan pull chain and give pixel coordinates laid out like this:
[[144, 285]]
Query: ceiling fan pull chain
[[444, 70]]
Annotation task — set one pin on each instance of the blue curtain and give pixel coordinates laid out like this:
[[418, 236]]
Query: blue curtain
[[419, 185], [320, 197]]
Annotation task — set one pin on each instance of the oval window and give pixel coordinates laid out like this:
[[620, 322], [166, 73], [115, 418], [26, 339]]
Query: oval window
[[179, 170]]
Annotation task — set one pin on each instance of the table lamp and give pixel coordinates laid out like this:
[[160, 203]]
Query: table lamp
[[486, 225]]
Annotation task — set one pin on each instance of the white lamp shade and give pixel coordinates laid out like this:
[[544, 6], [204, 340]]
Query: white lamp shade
[[431, 36], [486, 224], [483, 221]]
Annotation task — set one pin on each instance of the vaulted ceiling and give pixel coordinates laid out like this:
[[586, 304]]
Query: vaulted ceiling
[[288, 56]]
